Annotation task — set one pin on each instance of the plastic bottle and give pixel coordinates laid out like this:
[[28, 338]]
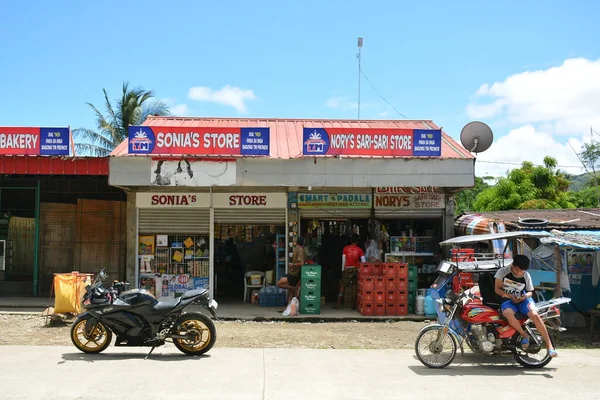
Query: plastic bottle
[[429, 305], [420, 302]]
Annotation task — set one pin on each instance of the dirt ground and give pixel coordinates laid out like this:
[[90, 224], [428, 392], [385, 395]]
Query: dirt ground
[[31, 330]]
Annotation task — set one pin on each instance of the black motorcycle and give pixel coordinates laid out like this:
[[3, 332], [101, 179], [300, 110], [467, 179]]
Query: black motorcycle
[[137, 318]]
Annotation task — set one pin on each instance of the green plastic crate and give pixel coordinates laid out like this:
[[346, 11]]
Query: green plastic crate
[[412, 285], [310, 308], [310, 297], [311, 272], [412, 274], [310, 285]]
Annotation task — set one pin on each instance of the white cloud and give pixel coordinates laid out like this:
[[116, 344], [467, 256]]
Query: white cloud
[[180, 110], [232, 96], [527, 144], [176, 109], [341, 102], [384, 113], [565, 98]]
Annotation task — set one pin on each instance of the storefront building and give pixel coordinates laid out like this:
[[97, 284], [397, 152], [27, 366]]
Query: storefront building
[[209, 200], [57, 212]]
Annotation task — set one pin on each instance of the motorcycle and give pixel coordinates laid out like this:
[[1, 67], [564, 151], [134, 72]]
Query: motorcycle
[[476, 319], [137, 318]]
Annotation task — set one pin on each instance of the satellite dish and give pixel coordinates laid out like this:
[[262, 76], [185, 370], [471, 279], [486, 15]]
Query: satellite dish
[[476, 137]]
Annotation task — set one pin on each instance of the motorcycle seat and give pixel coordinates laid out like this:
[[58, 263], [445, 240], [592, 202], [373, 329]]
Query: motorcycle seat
[[167, 304], [192, 293]]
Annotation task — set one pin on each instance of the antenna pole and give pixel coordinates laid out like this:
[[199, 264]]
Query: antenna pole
[[360, 43]]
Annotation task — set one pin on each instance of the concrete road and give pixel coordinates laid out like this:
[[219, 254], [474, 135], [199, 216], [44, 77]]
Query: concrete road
[[276, 374]]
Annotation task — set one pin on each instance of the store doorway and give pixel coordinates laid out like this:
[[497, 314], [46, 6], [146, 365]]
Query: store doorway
[[244, 248], [325, 240]]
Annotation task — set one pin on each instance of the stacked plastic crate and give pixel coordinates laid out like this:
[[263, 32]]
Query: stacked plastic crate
[[383, 289], [411, 288], [310, 289], [462, 281]]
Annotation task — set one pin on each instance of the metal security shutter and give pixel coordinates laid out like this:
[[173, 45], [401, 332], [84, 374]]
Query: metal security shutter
[[173, 221], [399, 214], [228, 216], [333, 213]]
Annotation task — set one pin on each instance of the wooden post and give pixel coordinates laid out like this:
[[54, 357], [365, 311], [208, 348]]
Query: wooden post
[[558, 264]]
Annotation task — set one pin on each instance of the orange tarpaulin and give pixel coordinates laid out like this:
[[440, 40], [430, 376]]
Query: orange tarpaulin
[[68, 291]]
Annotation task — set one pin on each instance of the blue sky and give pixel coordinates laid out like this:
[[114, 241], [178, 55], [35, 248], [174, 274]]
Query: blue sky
[[291, 59]]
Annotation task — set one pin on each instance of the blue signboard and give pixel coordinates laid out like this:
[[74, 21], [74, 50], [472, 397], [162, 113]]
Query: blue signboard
[[255, 141], [315, 142], [428, 143], [54, 141]]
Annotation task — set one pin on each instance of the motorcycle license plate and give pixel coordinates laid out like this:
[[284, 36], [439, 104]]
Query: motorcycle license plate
[[213, 304]]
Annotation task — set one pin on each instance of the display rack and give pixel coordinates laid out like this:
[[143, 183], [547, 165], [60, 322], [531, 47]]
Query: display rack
[[418, 251], [181, 257], [280, 256]]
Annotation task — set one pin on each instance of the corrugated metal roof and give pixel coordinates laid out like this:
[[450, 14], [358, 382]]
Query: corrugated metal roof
[[286, 134], [562, 219]]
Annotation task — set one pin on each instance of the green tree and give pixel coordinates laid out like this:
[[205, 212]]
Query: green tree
[[528, 187], [134, 106], [465, 199], [590, 158]]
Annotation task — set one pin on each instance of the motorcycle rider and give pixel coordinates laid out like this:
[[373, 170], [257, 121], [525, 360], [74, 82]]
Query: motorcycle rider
[[514, 285]]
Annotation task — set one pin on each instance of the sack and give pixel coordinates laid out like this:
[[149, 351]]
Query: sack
[[292, 308]]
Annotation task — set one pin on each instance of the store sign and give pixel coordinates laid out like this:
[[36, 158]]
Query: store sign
[[172, 200], [409, 190], [179, 140], [334, 200], [34, 141], [372, 142], [249, 200], [418, 201]]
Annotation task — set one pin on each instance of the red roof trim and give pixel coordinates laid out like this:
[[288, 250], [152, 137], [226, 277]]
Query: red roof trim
[[44, 165], [286, 134]]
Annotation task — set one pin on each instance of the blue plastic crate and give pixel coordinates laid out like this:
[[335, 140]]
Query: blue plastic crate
[[272, 299]]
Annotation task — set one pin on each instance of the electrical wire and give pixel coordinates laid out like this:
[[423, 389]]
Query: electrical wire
[[535, 165], [377, 91]]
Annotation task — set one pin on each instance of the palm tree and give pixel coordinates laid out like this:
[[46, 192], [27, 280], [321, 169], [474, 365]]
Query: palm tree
[[132, 109]]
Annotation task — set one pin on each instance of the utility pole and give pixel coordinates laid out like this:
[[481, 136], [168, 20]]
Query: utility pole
[[360, 44]]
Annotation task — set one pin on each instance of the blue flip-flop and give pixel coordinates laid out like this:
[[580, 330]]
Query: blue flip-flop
[[552, 353], [524, 343]]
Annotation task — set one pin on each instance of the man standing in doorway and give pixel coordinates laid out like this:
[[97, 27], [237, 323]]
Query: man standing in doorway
[[351, 256], [291, 279]]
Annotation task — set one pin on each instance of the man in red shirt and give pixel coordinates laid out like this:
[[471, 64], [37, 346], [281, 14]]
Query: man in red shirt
[[351, 256]]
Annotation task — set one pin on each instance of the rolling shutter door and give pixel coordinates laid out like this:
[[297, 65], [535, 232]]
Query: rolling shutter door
[[404, 213], [174, 221], [248, 216]]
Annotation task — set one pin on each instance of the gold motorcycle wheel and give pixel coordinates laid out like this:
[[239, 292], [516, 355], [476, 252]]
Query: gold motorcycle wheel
[[201, 331], [97, 341]]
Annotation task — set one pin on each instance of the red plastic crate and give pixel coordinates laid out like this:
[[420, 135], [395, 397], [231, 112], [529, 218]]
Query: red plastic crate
[[379, 310], [367, 296], [377, 269], [390, 270], [365, 269], [402, 285], [403, 271], [463, 254], [401, 309], [366, 283], [366, 309], [401, 297], [390, 284], [391, 309], [390, 296], [379, 283], [379, 297]]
